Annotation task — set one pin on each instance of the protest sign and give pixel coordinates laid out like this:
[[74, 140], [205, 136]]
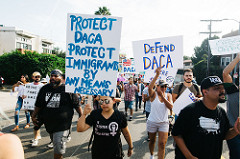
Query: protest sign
[[31, 92], [225, 46], [163, 52], [128, 66], [93, 44], [186, 98]]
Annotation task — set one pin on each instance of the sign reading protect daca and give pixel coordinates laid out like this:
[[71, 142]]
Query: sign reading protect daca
[[93, 44]]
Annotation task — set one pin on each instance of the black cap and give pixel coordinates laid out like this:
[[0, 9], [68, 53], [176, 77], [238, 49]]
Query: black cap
[[57, 72], [210, 81]]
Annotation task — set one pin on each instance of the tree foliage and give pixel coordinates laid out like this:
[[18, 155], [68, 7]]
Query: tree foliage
[[199, 60], [58, 52], [186, 57], [14, 64], [103, 11]]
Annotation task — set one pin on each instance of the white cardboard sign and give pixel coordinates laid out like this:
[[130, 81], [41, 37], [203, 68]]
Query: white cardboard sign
[[186, 98], [225, 46], [93, 44], [162, 52], [31, 92]]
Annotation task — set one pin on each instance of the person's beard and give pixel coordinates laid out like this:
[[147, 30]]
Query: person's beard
[[36, 80], [220, 100], [55, 83], [188, 81]]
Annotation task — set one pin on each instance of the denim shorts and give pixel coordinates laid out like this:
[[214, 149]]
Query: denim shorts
[[128, 104]]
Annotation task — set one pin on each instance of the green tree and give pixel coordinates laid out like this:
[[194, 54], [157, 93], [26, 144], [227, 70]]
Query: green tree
[[58, 52], [103, 11], [186, 57], [14, 64], [199, 60]]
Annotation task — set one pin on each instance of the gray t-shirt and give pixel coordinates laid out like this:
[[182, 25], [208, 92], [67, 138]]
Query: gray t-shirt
[[148, 103], [232, 103]]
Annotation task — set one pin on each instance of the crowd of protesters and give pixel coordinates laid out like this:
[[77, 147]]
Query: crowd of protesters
[[198, 132]]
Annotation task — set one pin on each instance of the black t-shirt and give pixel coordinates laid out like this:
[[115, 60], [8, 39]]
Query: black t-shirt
[[203, 131], [107, 142], [58, 112]]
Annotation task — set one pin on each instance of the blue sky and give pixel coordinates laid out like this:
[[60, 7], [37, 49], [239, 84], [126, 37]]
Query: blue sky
[[141, 19]]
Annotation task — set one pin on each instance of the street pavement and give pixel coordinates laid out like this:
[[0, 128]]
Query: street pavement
[[77, 147]]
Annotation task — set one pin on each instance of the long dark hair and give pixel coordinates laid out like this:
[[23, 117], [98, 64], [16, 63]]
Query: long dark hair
[[26, 77]]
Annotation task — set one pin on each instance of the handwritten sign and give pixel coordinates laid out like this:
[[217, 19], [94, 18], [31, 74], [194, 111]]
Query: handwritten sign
[[166, 53], [225, 46], [31, 92], [128, 66], [186, 98], [93, 44]]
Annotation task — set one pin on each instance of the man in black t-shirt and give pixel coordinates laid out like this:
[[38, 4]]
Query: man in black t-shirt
[[108, 123], [201, 127], [55, 107]]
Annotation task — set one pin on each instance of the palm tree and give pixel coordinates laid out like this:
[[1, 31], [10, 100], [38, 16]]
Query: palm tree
[[103, 11]]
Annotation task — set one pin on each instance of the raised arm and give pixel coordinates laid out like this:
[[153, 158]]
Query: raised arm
[[151, 86], [16, 85], [81, 124], [228, 69]]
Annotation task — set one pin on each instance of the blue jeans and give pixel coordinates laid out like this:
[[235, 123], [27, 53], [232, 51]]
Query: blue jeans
[[234, 147], [138, 100], [17, 110]]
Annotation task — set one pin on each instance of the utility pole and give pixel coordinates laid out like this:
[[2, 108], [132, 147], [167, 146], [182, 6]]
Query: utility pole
[[210, 35]]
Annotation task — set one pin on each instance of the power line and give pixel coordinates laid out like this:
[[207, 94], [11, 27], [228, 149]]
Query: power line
[[210, 35]]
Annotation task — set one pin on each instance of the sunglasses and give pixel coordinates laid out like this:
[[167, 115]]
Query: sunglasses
[[37, 76], [163, 86], [106, 101]]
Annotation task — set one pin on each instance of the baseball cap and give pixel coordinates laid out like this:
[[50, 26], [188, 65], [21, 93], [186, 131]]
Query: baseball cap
[[44, 80], [211, 81], [162, 83], [36, 74]]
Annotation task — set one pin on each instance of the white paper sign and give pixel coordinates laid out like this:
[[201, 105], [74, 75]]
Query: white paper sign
[[128, 66], [93, 44], [225, 46], [163, 52], [31, 92], [47, 78], [186, 98]]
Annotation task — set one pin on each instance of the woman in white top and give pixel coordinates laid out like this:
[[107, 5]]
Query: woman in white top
[[19, 86], [158, 118]]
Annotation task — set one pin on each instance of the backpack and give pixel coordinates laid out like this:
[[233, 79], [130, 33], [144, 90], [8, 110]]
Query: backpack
[[181, 86]]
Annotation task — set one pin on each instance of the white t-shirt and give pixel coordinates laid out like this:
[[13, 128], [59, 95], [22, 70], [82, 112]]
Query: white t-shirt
[[140, 90], [20, 90]]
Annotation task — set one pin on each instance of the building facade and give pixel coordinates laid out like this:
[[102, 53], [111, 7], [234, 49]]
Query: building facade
[[12, 38]]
